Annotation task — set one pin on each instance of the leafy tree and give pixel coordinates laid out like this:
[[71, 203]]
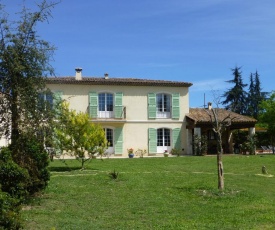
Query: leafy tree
[[267, 116], [76, 133], [24, 63], [235, 98]]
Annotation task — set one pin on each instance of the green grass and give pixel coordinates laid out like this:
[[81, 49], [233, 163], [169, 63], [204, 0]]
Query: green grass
[[157, 193]]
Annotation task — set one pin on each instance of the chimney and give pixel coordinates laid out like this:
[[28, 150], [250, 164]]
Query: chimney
[[78, 73], [209, 105], [106, 75]]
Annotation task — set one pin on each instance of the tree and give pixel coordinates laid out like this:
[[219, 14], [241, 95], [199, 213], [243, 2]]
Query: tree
[[251, 96], [267, 116], [255, 95], [235, 98], [76, 133], [24, 64], [219, 124], [218, 127]]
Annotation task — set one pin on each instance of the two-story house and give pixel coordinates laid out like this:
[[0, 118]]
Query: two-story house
[[135, 113]]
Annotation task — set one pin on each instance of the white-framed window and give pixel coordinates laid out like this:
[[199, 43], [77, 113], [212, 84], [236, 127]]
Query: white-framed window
[[163, 105], [163, 140], [105, 105], [109, 134]]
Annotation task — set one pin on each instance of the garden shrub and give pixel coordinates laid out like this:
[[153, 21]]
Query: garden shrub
[[9, 212], [29, 153], [13, 179], [200, 145], [23, 171]]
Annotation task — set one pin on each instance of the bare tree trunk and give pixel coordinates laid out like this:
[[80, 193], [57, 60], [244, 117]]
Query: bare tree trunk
[[220, 173], [220, 164], [82, 163]]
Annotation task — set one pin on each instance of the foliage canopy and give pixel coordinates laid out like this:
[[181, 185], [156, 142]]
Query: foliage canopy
[[24, 63], [76, 133]]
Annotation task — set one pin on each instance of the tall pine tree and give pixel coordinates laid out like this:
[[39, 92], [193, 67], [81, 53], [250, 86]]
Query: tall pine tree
[[235, 98], [255, 95], [251, 97], [258, 95]]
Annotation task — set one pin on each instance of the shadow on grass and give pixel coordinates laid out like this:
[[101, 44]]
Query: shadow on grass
[[66, 168], [68, 165], [63, 169]]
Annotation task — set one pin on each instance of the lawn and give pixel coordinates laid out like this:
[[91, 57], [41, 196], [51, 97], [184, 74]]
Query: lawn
[[157, 193]]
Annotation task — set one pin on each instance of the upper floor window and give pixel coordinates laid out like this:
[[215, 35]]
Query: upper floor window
[[105, 105], [163, 105]]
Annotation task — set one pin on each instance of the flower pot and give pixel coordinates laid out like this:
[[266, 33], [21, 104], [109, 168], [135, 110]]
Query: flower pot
[[131, 155]]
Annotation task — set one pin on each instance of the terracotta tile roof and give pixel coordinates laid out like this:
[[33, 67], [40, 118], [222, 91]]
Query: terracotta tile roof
[[116, 81], [199, 115]]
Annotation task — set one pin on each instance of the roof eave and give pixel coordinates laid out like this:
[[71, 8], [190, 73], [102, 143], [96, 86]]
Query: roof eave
[[115, 81]]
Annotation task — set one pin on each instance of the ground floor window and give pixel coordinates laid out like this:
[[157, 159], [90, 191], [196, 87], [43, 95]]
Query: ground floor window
[[163, 137], [163, 140], [109, 136]]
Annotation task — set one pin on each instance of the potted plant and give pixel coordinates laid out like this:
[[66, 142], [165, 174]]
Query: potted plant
[[131, 152], [166, 153], [140, 152]]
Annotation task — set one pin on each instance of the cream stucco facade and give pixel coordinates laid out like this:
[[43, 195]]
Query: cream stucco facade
[[136, 128]]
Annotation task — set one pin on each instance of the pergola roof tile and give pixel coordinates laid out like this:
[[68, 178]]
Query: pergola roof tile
[[201, 116]]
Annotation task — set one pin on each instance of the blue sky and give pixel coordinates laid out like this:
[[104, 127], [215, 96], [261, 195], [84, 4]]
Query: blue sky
[[196, 41]]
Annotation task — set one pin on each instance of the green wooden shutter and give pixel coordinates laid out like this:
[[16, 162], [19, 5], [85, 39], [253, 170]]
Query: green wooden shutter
[[152, 108], [175, 105], [118, 105], [152, 135], [118, 140], [176, 138], [93, 103]]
